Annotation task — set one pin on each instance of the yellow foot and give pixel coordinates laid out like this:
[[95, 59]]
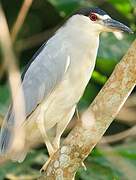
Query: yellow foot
[[43, 169]]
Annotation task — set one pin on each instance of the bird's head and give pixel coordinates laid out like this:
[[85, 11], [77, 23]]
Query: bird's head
[[99, 21]]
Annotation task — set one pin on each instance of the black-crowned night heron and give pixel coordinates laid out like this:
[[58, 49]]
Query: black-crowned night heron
[[57, 76]]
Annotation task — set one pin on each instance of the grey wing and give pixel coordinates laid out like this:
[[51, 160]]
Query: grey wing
[[41, 77]]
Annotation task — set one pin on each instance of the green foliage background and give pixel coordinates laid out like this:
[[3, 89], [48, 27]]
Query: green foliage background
[[43, 16]]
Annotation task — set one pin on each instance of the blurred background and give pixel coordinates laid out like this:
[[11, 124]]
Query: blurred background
[[31, 23]]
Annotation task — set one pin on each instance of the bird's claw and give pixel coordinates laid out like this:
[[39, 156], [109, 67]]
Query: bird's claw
[[83, 166], [43, 169]]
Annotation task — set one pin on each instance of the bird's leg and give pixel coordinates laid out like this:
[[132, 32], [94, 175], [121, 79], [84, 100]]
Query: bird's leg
[[40, 124], [61, 127], [44, 167], [59, 130], [48, 145], [45, 137]]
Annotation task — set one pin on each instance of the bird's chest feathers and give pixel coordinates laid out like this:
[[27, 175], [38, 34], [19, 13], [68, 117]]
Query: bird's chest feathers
[[82, 67], [82, 55], [82, 62], [83, 59]]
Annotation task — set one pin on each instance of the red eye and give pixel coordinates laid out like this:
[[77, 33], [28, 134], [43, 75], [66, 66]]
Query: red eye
[[93, 17]]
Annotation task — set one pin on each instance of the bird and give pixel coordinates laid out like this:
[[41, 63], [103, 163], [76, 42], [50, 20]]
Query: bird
[[56, 77]]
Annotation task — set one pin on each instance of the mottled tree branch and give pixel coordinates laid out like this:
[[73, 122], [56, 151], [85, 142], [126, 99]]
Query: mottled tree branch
[[94, 121]]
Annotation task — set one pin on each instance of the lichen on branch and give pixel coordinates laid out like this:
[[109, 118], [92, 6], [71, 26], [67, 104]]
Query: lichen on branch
[[95, 120]]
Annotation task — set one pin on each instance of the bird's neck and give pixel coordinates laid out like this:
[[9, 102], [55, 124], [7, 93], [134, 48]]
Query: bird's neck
[[80, 41], [83, 24], [78, 31]]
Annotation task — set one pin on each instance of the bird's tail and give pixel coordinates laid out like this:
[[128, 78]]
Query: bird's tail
[[12, 141]]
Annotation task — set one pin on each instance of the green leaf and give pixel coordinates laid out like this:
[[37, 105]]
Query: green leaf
[[99, 78], [99, 167], [90, 93], [105, 66], [4, 98], [123, 6], [133, 2], [66, 7], [30, 166], [113, 48]]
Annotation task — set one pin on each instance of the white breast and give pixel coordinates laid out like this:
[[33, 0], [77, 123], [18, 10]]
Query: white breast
[[82, 50], [70, 90]]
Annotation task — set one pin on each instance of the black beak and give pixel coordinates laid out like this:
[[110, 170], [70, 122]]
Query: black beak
[[113, 24]]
